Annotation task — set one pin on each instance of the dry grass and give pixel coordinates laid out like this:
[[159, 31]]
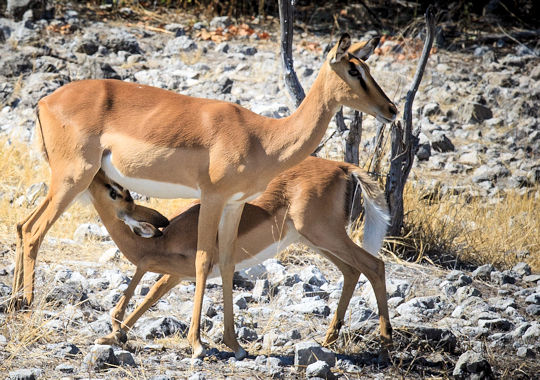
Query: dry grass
[[502, 231]]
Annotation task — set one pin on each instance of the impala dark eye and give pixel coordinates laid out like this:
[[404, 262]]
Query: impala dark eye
[[113, 194], [354, 72]]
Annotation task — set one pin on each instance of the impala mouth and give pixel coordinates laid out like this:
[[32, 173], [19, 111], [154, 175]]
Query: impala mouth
[[385, 120]]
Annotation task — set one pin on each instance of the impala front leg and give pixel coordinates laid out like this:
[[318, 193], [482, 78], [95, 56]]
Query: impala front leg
[[209, 217], [227, 238]]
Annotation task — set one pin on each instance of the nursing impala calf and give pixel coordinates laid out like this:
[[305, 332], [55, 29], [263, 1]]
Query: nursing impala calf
[[306, 204], [167, 145]]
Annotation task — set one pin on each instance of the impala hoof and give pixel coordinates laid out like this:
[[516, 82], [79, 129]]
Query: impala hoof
[[240, 354], [198, 353], [117, 337]]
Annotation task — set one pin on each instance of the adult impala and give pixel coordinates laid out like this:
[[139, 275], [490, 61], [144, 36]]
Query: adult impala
[[307, 204], [167, 145]]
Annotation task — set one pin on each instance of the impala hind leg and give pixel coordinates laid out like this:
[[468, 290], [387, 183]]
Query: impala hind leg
[[227, 237], [63, 190], [343, 248], [350, 279], [209, 216]]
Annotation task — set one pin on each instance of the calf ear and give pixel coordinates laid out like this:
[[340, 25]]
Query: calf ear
[[145, 230], [340, 50], [149, 215], [364, 49]]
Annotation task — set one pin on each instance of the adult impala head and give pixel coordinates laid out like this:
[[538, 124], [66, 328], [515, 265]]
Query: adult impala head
[[143, 221], [353, 82]]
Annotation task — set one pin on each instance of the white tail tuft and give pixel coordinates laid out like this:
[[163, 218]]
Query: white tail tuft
[[377, 218]]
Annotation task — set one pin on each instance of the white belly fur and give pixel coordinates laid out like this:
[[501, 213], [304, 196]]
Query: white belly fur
[[147, 187], [267, 253]]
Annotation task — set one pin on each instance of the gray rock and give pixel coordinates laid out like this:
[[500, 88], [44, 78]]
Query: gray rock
[[489, 173], [225, 85], [25, 374], [533, 298], [532, 335], [465, 292], [179, 44], [177, 29], [441, 143], [424, 152], [223, 47], [125, 358], [483, 272], [431, 109], [18, 8], [475, 113], [99, 358], [472, 365], [220, 22], [502, 278], [525, 352], [532, 278], [420, 305], [248, 50], [118, 39], [5, 292], [90, 231], [496, 324], [533, 310], [64, 350], [240, 301], [310, 306], [312, 275], [66, 294], [306, 353], [246, 334], [319, 369], [65, 368], [523, 269], [261, 289], [162, 327], [469, 158]]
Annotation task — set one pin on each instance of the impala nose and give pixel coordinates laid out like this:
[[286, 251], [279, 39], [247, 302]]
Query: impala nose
[[393, 110]]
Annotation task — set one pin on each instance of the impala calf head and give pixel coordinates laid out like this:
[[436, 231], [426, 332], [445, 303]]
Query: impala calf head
[[143, 221], [355, 87]]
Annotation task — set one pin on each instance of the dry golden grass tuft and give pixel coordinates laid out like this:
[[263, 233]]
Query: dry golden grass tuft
[[472, 230]]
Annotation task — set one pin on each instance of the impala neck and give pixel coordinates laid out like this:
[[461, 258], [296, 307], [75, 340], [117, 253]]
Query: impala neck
[[131, 245], [299, 134]]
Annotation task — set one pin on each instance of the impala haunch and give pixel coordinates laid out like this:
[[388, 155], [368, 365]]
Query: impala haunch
[[307, 204], [163, 144]]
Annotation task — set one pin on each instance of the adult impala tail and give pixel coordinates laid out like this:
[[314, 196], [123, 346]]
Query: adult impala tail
[[168, 145], [307, 203]]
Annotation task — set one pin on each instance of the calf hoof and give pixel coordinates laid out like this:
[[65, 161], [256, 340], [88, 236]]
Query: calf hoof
[[117, 337]]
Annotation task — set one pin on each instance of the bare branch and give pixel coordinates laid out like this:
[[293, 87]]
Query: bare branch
[[286, 18], [404, 142]]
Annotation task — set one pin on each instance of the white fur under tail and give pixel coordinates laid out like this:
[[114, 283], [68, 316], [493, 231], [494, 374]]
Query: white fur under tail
[[377, 219]]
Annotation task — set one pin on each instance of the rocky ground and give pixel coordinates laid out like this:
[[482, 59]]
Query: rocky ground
[[478, 112]]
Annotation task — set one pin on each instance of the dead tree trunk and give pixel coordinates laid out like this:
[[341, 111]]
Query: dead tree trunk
[[286, 21], [404, 141]]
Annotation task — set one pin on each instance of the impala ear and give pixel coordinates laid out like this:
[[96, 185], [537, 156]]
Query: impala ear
[[149, 215], [340, 50], [364, 49], [145, 230], [140, 228]]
